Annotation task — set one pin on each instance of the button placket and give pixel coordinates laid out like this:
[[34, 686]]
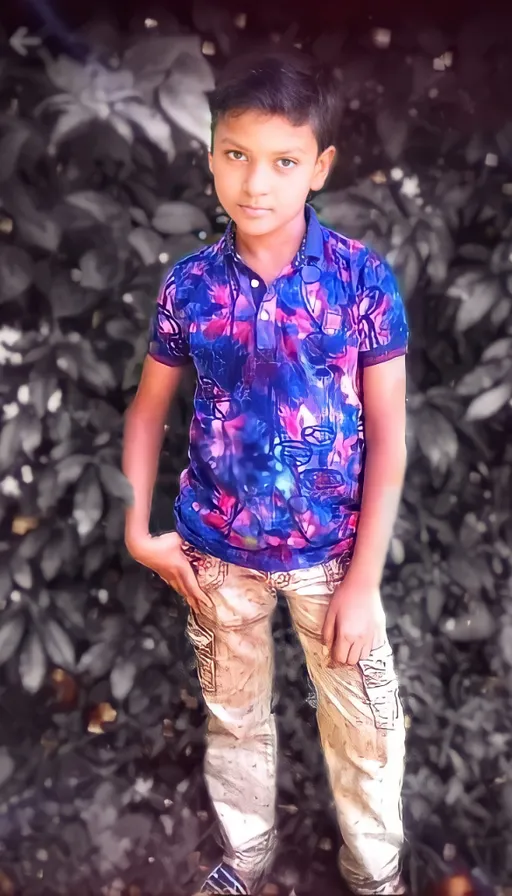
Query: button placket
[[266, 322]]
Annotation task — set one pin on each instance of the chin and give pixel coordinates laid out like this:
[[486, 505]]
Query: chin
[[255, 226]]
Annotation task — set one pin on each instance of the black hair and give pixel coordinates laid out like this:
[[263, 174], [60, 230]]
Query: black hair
[[286, 83]]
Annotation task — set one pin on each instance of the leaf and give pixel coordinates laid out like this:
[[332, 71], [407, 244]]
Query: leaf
[[484, 406], [348, 212], [502, 311], [122, 678], [481, 378], [33, 542], [151, 123], [59, 645], [100, 269], [477, 625], [437, 438], [502, 348], [69, 604], [116, 483], [179, 218], [97, 661], [95, 372], [186, 107], [407, 265], [38, 228], [42, 388], [22, 573], [87, 504], [16, 272], [122, 127], [11, 145], [95, 556], [31, 430], [5, 583], [67, 74], [147, 243], [33, 664], [52, 558], [99, 206], [71, 468], [68, 299], [158, 54], [11, 634], [393, 133], [435, 603], [7, 766], [69, 123], [474, 252], [10, 442], [478, 293], [441, 250]]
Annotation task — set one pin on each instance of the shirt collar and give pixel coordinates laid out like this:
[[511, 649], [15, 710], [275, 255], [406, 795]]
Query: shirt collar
[[311, 248]]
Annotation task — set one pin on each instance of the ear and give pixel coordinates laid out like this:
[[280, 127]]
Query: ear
[[210, 161], [323, 166]]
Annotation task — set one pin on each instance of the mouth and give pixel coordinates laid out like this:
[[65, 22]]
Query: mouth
[[254, 212]]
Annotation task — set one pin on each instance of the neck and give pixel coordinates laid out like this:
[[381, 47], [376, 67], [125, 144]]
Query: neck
[[272, 250]]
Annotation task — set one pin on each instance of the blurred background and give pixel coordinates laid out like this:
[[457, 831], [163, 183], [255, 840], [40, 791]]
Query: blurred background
[[104, 131]]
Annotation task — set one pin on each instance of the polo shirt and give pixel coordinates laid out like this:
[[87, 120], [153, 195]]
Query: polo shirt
[[276, 456]]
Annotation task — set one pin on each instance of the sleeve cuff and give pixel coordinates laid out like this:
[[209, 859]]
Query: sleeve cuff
[[168, 360], [381, 354]]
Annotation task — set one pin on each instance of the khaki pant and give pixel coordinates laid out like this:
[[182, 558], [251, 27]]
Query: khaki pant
[[359, 715]]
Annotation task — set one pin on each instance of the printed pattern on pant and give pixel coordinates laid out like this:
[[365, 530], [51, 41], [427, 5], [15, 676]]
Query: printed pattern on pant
[[381, 687], [203, 641]]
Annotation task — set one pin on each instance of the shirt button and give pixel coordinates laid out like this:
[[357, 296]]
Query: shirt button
[[255, 283], [264, 315]]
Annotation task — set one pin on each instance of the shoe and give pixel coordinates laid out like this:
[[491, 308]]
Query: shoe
[[224, 879]]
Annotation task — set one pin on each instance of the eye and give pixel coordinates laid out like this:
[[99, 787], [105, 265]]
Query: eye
[[236, 155], [287, 163]]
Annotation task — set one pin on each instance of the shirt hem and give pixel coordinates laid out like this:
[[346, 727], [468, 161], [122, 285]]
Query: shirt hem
[[301, 558]]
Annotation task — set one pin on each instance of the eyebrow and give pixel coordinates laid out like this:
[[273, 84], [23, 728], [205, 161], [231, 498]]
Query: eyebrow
[[296, 150]]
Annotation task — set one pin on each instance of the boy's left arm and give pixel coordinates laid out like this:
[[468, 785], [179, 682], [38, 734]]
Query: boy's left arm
[[355, 621]]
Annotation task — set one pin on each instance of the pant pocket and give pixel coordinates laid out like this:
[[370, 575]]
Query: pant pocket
[[203, 641], [381, 687], [211, 572]]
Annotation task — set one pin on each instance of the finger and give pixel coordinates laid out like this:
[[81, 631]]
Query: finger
[[354, 654], [340, 650], [366, 650], [193, 589], [190, 599]]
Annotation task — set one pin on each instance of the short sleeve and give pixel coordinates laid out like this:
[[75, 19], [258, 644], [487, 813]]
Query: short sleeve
[[383, 329], [168, 330]]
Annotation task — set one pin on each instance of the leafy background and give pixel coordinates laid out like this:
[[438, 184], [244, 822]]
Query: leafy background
[[103, 184]]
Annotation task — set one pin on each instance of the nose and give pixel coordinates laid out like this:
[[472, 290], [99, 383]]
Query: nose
[[257, 181]]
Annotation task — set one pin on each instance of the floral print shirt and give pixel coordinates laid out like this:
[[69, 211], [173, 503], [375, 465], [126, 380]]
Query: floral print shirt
[[276, 456]]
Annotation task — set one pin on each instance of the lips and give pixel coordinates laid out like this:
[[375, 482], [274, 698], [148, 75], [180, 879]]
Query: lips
[[252, 210]]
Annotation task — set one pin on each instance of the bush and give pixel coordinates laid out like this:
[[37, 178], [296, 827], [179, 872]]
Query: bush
[[103, 184]]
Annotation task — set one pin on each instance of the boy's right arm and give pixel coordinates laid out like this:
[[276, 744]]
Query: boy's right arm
[[143, 437]]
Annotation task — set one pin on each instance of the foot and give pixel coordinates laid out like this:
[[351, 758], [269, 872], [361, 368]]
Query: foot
[[224, 879]]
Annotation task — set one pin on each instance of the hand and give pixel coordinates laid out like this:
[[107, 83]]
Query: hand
[[163, 554], [355, 622]]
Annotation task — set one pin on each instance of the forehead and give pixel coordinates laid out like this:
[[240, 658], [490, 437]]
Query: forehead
[[258, 131]]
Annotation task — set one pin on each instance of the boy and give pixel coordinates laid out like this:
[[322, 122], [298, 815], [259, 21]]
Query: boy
[[298, 337]]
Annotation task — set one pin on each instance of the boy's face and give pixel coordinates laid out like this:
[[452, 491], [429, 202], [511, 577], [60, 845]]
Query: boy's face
[[264, 168]]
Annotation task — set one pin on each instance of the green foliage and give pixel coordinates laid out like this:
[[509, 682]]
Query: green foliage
[[103, 184]]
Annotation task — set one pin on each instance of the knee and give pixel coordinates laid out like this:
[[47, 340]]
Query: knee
[[241, 723]]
